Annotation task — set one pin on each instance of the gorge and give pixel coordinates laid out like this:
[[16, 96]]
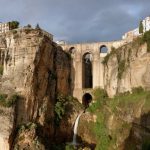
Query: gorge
[[39, 78]]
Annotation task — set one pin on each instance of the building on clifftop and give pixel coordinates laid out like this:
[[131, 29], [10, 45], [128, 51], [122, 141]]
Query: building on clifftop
[[134, 33], [4, 27]]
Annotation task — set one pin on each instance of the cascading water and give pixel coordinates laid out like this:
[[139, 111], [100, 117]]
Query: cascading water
[[74, 142]]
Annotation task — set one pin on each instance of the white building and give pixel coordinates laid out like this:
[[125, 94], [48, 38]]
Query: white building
[[4, 27], [134, 33], [146, 24]]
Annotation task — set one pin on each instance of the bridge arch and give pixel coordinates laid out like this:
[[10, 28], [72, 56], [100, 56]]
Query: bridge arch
[[72, 50], [86, 99], [87, 70], [103, 49]]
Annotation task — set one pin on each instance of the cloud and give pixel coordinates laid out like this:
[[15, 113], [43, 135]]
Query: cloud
[[78, 20]]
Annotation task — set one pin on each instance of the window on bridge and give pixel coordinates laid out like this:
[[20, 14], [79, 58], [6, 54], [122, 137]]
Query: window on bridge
[[86, 99], [71, 50], [87, 79], [103, 49]]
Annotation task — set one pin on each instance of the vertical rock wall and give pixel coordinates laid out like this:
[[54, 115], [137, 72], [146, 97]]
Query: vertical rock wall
[[127, 67], [37, 69]]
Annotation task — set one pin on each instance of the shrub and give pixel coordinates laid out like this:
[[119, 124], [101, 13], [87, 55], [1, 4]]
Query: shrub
[[7, 101], [137, 89], [64, 104], [12, 100], [60, 107], [3, 99], [59, 111]]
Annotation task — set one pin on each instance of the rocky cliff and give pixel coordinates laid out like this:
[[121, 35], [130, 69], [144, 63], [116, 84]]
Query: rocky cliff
[[127, 67], [121, 122], [34, 71]]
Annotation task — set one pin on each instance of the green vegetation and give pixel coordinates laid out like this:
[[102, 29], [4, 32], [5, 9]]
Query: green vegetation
[[8, 101], [13, 25], [29, 132], [146, 38], [37, 26], [106, 58], [1, 69], [63, 105], [101, 133], [121, 68], [146, 145], [121, 63], [141, 27], [59, 109], [29, 125], [124, 62], [100, 95], [118, 105]]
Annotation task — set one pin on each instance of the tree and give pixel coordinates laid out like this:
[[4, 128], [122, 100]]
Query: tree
[[13, 25], [29, 26], [141, 27], [37, 26]]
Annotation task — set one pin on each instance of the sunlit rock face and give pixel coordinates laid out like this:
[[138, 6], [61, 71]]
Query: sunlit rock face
[[37, 69], [127, 68]]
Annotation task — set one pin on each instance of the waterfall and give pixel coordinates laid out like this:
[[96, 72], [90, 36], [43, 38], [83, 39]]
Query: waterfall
[[74, 142]]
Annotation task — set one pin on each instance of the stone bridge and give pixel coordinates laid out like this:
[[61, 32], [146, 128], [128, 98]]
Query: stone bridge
[[87, 67]]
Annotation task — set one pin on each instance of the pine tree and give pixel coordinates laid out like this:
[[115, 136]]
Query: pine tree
[[37, 26], [141, 27]]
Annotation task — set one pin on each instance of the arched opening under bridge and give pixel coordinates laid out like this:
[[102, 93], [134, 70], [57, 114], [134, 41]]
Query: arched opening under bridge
[[87, 74]]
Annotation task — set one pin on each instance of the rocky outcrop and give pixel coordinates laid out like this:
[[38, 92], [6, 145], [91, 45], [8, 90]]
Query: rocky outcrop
[[120, 123], [38, 70], [127, 67]]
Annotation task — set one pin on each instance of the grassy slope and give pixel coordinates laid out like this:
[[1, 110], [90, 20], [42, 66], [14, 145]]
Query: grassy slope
[[104, 106]]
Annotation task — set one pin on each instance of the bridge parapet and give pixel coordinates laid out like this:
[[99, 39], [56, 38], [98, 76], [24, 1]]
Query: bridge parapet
[[93, 47]]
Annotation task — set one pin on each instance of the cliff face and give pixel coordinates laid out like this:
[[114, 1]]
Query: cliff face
[[37, 69], [127, 67], [119, 123]]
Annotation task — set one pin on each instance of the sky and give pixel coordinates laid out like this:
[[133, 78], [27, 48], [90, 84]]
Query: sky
[[77, 21]]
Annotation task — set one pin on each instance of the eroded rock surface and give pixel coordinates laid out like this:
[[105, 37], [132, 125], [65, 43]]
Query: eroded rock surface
[[127, 67], [38, 70]]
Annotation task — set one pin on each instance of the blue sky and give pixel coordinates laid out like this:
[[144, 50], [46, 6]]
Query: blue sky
[[78, 20]]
